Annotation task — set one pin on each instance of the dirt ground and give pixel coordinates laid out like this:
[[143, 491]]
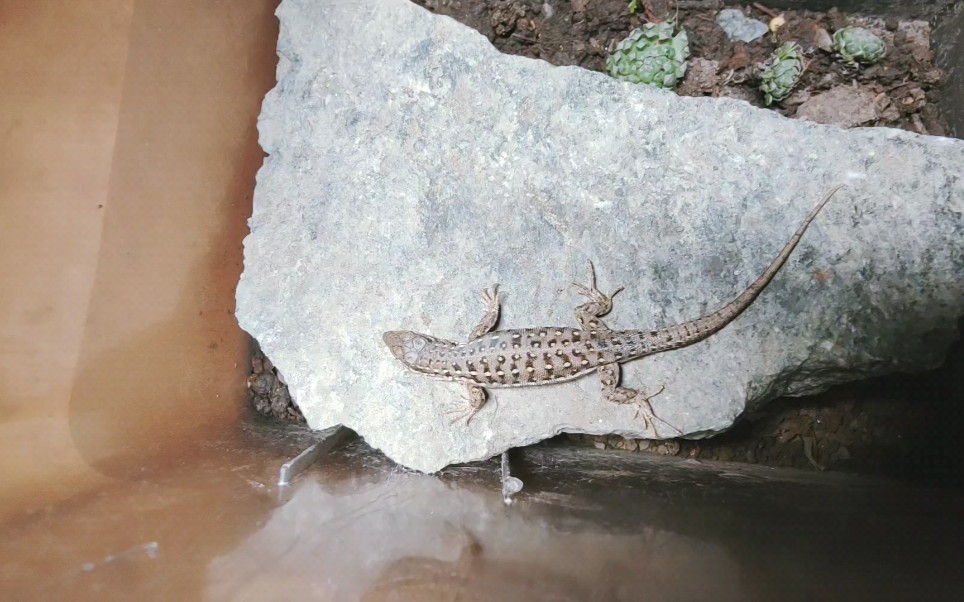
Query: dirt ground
[[902, 425], [901, 91]]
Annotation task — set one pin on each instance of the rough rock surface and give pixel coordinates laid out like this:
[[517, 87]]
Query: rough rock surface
[[411, 164]]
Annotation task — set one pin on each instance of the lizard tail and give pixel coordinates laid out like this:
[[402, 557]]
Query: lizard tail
[[687, 333]]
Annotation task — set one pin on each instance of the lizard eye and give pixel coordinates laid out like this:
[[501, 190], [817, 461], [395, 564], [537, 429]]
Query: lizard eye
[[418, 343]]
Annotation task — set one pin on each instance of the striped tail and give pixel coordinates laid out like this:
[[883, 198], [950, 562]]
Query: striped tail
[[687, 333]]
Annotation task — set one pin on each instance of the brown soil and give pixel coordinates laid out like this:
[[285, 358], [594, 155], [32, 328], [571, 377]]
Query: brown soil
[[901, 425], [267, 393], [901, 90]]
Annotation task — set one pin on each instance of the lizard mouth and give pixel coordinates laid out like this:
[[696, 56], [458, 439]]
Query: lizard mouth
[[394, 340]]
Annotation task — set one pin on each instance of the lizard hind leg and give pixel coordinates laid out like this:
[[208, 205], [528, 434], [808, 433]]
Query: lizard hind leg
[[609, 379], [598, 305], [469, 405], [492, 299]]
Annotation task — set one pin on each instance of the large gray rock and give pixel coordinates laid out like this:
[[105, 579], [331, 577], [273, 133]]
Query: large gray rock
[[411, 164]]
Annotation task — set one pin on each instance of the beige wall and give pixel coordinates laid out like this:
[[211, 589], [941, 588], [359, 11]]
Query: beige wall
[[127, 164]]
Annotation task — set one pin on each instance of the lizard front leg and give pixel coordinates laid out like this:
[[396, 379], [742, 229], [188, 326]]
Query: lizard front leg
[[609, 379], [470, 405], [476, 395], [491, 300], [599, 304]]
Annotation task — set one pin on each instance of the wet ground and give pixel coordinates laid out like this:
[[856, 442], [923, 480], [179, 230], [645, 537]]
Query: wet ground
[[589, 525]]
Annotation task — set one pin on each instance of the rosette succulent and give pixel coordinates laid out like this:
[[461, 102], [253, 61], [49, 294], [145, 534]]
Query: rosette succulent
[[781, 72], [651, 55], [858, 45]]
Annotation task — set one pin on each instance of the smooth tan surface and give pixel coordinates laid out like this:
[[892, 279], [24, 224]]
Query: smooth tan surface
[[59, 112], [588, 526], [126, 172]]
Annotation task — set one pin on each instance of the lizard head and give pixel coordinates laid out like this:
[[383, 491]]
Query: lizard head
[[406, 346]]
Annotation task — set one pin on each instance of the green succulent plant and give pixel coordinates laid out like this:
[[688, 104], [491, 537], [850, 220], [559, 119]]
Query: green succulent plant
[[651, 54], [781, 72], [858, 45]]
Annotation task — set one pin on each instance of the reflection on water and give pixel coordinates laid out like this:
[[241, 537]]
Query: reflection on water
[[589, 526]]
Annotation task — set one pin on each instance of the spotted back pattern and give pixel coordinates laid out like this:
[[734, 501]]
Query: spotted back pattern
[[518, 357]]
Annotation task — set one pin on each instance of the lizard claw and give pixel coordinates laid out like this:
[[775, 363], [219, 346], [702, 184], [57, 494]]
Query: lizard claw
[[587, 290], [491, 296], [600, 302], [465, 411], [491, 299], [470, 406], [646, 409]]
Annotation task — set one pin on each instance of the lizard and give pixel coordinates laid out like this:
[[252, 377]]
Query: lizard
[[548, 355]]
